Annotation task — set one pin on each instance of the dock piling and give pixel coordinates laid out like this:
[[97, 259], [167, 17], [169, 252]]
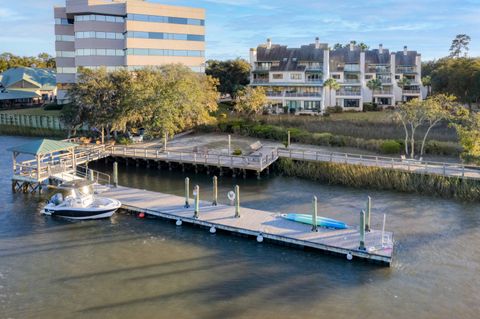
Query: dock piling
[[196, 193], [215, 191], [115, 174], [237, 201], [187, 192], [362, 231], [368, 214], [314, 214]]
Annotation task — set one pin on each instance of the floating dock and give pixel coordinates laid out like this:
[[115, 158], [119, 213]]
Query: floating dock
[[259, 224]]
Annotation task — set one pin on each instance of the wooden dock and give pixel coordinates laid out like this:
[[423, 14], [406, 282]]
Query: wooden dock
[[258, 223]]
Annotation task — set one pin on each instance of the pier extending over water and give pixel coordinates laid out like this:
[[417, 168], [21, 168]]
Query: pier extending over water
[[258, 224]]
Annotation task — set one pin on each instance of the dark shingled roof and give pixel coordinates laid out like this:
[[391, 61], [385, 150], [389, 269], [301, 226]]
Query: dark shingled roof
[[345, 55], [290, 57], [375, 57], [405, 60]]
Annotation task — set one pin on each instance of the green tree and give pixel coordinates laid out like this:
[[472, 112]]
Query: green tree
[[250, 101], [331, 84], [468, 131], [459, 45], [374, 84], [233, 75], [337, 46]]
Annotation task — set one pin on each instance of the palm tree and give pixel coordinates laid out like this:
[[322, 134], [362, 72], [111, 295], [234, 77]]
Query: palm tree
[[403, 83], [374, 84], [331, 84], [427, 82]]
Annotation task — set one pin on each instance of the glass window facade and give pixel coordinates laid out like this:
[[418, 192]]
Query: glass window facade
[[66, 70], [99, 52], [165, 36], [62, 37], [99, 35], [99, 17], [65, 54], [164, 19], [166, 52], [63, 21]]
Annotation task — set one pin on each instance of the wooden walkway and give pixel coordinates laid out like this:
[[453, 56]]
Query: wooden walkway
[[256, 162], [413, 166], [254, 222]]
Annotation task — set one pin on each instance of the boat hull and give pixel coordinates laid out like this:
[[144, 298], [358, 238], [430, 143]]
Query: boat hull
[[78, 214], [321, 221]]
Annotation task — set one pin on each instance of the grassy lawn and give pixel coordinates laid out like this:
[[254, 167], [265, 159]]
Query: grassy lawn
[[32, 111]]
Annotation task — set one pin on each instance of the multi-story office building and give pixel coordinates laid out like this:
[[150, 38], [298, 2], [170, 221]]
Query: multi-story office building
[[125, 33], [294, 77]]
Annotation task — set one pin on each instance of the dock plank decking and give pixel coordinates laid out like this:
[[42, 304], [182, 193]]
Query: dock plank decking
[[256, 222]]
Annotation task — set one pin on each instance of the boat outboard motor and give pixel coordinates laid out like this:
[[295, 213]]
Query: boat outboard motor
[[56, 199]]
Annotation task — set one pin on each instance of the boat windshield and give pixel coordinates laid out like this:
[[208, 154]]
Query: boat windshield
[[86, 190]]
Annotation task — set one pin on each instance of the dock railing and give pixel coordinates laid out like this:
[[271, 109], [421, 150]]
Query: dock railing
[[410, 165], [254, 162]]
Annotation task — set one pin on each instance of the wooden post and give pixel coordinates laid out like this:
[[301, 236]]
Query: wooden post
[[288, 139], [314, 214], [229, 145], [115, 174], [165, 137], [215, 191], [367, 216], [196, 194], [187, 192], [362, 231], [38, 167], [237, 201], [90, 176]]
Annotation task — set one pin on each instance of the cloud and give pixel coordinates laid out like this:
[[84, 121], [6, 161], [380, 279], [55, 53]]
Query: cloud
[[9, 15]]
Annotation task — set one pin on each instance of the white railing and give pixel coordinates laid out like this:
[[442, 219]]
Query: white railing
[[255, 162], [416, 166]]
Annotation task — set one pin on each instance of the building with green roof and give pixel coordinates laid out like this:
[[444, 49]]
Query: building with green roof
[[27, 86]]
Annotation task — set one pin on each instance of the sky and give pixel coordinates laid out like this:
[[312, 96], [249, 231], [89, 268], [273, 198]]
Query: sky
[[235, 26]]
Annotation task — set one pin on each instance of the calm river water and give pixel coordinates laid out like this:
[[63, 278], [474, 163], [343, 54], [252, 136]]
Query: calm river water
[[148, 268]]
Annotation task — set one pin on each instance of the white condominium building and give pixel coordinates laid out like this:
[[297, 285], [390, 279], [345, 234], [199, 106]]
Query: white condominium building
[[294, 77]]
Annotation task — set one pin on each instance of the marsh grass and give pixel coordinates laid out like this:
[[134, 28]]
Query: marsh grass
[[32, 131], [381, 179]]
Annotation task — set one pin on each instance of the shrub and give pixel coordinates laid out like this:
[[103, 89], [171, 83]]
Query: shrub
[[390, 147], [370, 107], [334, 109], [53, 107], [124, 140], [237, 152], [322, 138]]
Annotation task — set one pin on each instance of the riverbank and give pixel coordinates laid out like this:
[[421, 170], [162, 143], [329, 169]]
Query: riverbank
[[16, 130], [381, 179]]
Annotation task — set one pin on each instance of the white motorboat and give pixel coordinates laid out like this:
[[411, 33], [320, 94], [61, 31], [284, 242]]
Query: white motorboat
[[80, 202]]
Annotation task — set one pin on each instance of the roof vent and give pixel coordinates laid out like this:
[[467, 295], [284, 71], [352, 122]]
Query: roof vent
[[269, 43], [317, 43]]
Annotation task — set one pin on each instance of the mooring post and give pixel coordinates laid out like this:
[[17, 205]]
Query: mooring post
[[115, 174], [187, 192], [369, 214], [196, 193], [215, 191], [229, 145], [314, 214], [362, 230], [237, 201]]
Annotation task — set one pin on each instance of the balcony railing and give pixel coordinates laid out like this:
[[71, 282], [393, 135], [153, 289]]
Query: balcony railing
[[314, 80], [259, 81], [303, 94], [415, 91], [349, 93], [274, 94], [351, 81], [383, 92], [406, 69]]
